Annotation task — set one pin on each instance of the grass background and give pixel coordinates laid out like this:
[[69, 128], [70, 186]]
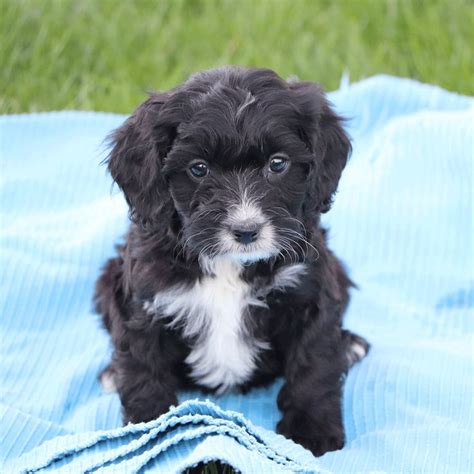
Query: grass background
[[106, 54]]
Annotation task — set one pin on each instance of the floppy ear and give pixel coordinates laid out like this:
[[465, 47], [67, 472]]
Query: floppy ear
[[135, 162], [321, 129]]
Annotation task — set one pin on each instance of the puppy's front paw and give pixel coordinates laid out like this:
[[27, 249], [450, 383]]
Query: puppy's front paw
[[320, 445], [312, 436]]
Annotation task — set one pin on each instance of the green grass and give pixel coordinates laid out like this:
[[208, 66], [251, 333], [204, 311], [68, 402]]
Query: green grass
[[105, 54]]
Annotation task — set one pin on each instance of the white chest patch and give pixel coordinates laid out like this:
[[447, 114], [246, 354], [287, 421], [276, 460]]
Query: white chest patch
[[211, 312]]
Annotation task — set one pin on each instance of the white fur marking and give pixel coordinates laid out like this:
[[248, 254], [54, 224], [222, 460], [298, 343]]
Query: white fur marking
[[245, 212], [358, 350], [249, 100], [107, 382], [211, 311], [289, 276], [355, 352]]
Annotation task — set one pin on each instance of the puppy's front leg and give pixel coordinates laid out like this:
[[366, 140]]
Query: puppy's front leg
[[310, 399], [145, 393]]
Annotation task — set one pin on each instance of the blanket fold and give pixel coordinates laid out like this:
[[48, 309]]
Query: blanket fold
[[132, 447]]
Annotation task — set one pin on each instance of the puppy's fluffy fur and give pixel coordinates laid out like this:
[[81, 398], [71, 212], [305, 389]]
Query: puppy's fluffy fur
[[225, 280]]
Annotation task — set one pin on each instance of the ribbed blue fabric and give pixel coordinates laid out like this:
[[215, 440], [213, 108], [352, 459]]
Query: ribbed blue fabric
[[402, 222]]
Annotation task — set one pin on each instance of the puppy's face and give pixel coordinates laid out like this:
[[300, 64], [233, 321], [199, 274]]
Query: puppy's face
[[239, 158], [238, 177]]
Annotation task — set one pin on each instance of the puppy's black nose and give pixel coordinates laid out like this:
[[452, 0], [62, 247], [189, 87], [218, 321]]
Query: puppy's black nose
[[246, 235]]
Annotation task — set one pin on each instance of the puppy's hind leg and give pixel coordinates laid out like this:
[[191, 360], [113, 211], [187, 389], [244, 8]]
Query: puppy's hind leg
[[357, 347]]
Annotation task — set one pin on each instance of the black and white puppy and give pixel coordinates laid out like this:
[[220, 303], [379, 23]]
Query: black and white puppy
[[225, 280]]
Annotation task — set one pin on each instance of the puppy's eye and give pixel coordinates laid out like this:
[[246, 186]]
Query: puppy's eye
[[199, 169], [278, 164]]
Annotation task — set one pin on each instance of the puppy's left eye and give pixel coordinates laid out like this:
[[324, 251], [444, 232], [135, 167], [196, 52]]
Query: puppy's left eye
[[199, 169], [278, 164]]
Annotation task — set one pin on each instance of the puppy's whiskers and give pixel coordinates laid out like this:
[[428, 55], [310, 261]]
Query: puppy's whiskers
[[302, 239], [287, 248], [291, 246], [282, 213], [188, 240]]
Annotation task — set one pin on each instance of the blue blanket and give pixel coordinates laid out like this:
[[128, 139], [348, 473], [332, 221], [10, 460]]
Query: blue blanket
[[402, 222]]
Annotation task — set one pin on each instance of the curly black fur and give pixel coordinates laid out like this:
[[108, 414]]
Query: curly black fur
[[234, 119]]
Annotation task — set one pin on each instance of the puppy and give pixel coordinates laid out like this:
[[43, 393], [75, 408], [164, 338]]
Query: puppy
[[225, 280]]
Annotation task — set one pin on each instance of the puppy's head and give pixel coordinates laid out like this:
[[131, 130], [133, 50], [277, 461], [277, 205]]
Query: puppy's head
[[234, 162]]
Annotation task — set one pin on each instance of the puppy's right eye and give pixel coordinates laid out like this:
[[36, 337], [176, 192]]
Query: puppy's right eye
[[278, 163], [199, 169]]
